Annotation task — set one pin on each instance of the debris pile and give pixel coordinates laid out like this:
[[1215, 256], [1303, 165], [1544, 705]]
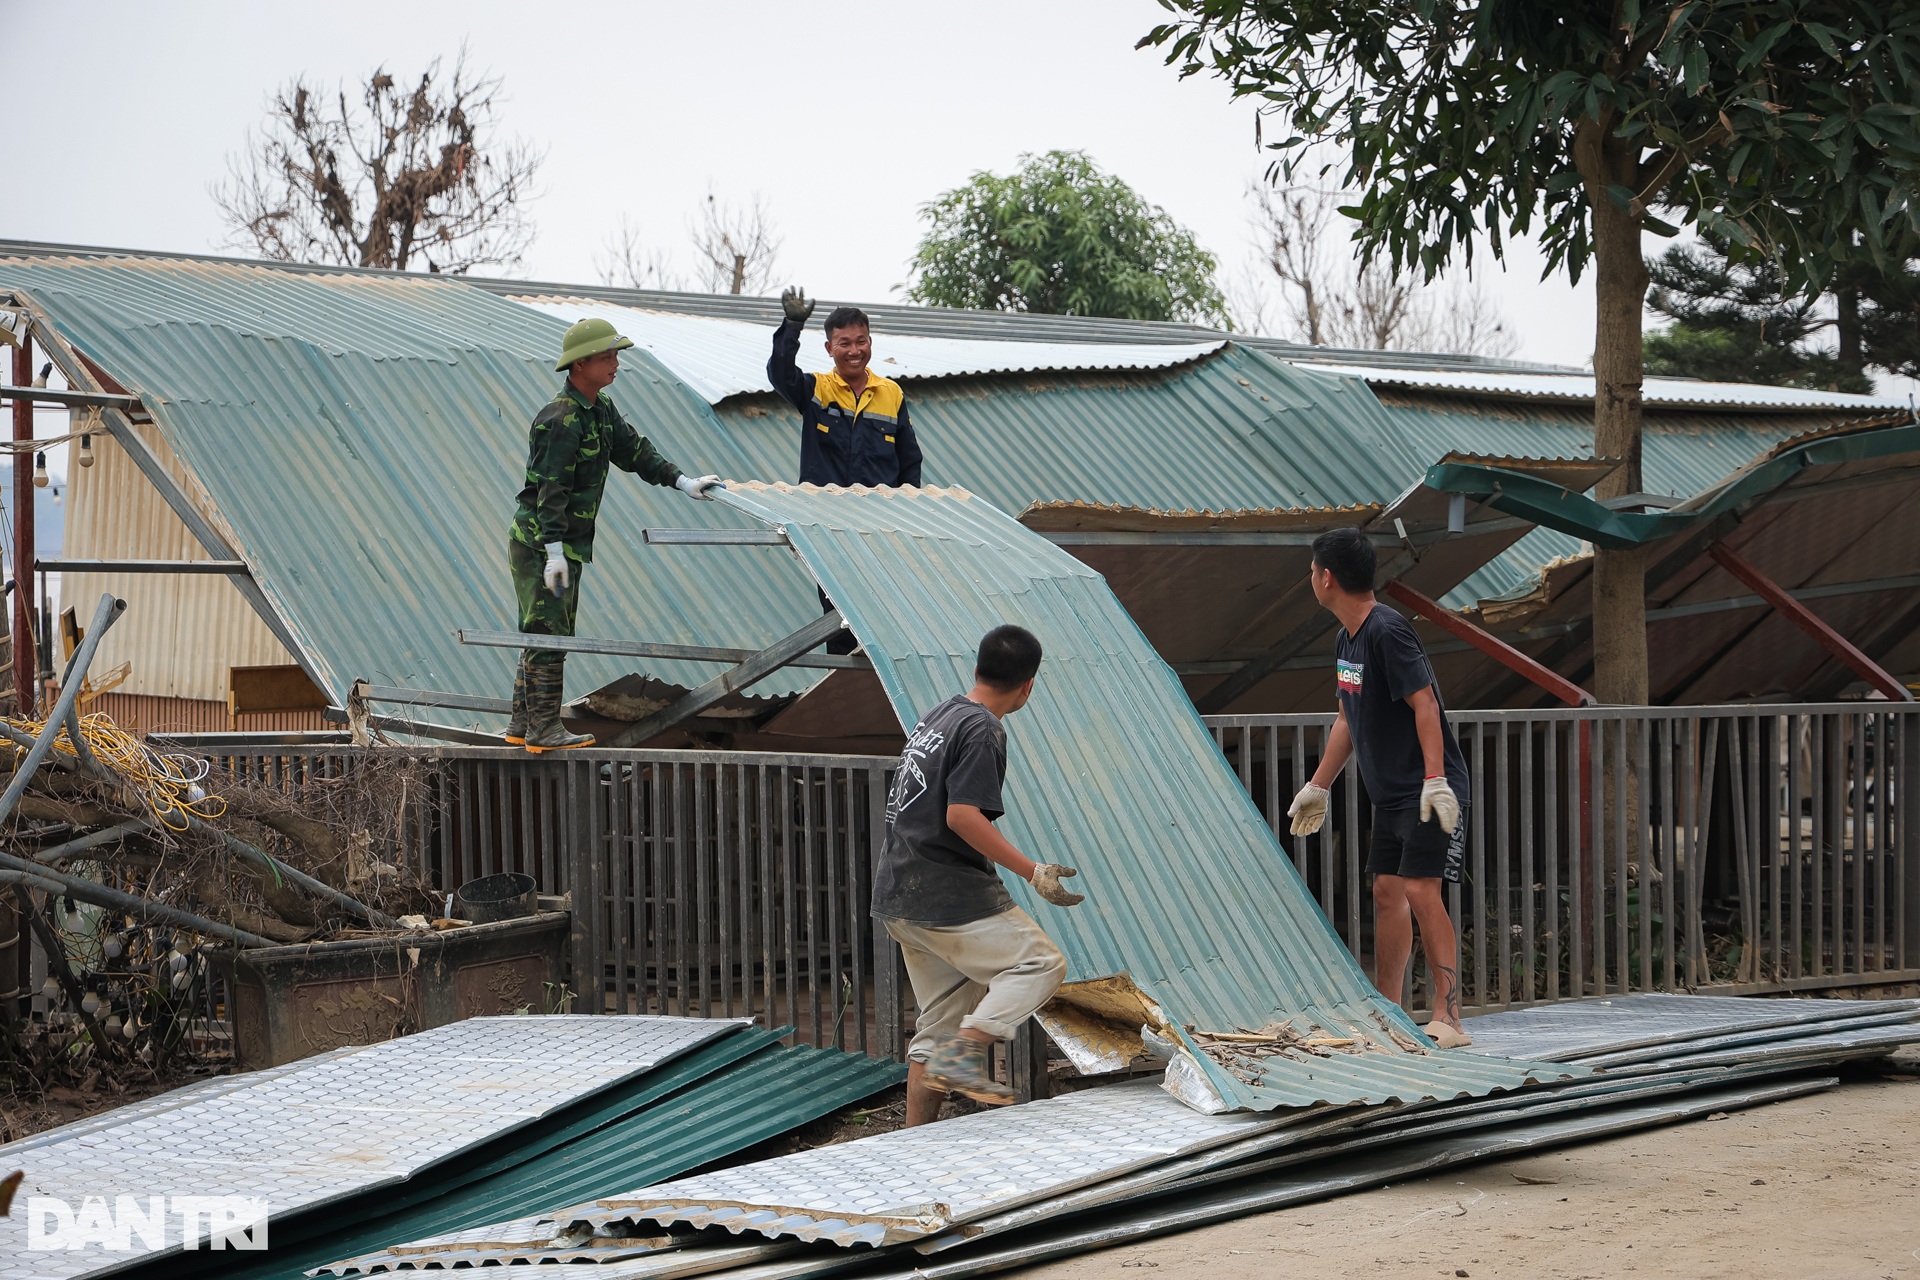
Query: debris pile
[[129, 864], [1117, 1163]]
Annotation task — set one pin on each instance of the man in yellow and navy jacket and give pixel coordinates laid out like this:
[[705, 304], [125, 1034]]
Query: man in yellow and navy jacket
[[853, 422]]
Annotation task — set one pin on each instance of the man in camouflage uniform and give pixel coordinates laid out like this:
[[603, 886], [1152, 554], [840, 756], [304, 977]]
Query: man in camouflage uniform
[[575, 439]]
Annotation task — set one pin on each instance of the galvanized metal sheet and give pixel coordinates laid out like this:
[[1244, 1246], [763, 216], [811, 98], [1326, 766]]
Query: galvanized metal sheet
[[719, 358], [695, 1111], [335, 1127], [1178, 1212], [1656, 391], [1812, 1050], [1770, 1037], [1111, 771], [915, 1182], [1576, 1030]]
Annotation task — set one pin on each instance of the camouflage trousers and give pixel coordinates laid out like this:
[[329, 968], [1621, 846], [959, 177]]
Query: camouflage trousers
[[541, 612]]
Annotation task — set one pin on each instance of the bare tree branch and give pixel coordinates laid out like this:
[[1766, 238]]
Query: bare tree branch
[[1334, 299], [623, 260], [407, 178], [737, 249]]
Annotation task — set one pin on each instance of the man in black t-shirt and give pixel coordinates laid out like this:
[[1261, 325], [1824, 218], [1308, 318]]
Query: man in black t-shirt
[[978, 964], [1392, 718]]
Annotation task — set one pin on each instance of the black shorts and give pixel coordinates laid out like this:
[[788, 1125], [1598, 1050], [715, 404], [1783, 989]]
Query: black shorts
[[1405, 846]]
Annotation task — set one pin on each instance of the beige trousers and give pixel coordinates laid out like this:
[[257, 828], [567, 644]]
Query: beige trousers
[[988, 975]]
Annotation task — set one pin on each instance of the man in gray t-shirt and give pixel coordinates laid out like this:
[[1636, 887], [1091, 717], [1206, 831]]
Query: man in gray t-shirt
[[978, 964]]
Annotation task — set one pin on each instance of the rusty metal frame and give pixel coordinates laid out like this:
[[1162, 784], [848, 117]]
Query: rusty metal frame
[[780, 653], [1493, 646], [1783, 603]]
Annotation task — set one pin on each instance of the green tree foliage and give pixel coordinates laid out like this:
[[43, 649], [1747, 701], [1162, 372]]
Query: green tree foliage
[[1734, 323], [1784, 129], [1063, 238], [1735, 320]]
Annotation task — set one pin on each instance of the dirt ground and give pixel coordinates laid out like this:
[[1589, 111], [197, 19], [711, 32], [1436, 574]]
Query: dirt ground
[[1821, 1186]]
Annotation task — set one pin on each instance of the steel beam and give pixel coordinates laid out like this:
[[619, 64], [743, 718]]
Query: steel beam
[[1491, 645], [1810, 622], [72, 399], [647, 649], [761, 665], [431, 698], [146, 566], [714, 537]]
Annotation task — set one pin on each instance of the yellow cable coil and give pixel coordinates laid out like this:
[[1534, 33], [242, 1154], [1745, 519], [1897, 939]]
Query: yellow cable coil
[[168, 784]]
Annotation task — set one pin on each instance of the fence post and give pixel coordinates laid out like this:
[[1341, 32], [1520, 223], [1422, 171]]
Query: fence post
[[888, 1023], [1909, 882]]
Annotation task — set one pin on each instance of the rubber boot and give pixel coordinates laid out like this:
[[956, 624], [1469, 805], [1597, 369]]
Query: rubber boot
[[517, 726], [544, 730], [959, 1065]]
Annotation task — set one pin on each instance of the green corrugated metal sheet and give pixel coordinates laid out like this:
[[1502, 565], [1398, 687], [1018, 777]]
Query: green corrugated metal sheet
[[715, 1103], [1111, 770], [1239, 430], [1685, 453]]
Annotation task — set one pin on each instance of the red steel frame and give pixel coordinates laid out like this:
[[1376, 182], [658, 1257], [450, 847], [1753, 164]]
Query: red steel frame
[[1808, 621], [1488, 643]]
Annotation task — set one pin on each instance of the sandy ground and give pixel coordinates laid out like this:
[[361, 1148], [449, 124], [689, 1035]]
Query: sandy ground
[[1822, 1186]]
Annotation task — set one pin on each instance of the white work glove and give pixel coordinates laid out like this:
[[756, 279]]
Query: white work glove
[[1308, 810], [697, 486], [1438, 802], [795, 304], [558, 574], [1046, 882]]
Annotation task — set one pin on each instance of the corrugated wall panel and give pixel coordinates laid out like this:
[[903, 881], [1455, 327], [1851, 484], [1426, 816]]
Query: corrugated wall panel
[[182, 631]]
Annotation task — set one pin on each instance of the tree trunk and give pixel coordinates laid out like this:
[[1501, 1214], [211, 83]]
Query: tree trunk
[[1847, 322], [1619, 577]]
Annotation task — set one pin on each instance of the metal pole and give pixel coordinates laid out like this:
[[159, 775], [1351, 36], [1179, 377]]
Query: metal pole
[[33, 875], [103, 617], [26, 661]]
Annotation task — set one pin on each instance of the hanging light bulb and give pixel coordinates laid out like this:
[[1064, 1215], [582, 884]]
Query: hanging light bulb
[[86, 450], [40, 477], [177, 961], [51, 989], [129, 1029], [113, 1024], [91, 1003], [181, 979], [112, 947]]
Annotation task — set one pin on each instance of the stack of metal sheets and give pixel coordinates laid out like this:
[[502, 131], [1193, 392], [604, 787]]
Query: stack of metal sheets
[[431, 1133], [1114, 1163]]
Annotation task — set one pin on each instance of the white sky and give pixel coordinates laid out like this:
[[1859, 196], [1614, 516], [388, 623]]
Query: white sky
[[845, 117]]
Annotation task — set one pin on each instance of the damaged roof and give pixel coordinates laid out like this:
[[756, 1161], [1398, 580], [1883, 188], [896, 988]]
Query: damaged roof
[[1189, 897]]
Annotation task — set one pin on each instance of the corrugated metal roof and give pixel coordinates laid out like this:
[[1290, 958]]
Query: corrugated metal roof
[[952, 322], [362, 436], [1684, 453], [720, 358], [1670, 392], [1110, 770]]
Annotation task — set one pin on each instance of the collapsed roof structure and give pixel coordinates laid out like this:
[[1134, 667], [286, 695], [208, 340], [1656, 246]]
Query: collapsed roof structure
[[342, 444]]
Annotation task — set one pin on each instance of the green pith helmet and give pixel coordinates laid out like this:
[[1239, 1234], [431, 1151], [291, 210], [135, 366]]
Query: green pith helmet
[[590, 338]]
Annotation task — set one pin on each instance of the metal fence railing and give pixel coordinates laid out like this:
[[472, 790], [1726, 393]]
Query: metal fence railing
[[706, 884], [1743, 849], [1760, 848]]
